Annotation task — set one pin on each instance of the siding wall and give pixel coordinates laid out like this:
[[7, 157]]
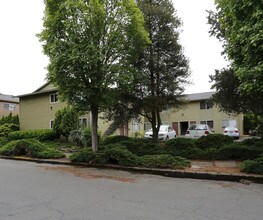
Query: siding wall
[[37, 111], [192, 113]]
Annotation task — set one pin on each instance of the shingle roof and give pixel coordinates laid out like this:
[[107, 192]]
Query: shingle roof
[[8, 98], [199, 96]]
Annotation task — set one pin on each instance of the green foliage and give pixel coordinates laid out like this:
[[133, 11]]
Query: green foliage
[[10, 119], [30, 148], [255, 142], [91, 45], [3, 141], [142, 147], [163, 161], [253, 166], [137, 146], [114, 139], [81, 137], [66, 120], [180, 143], [116, 154], [238, 151], [239, 25], [7, 128], [40, 134], [86, 155], [213, 141]]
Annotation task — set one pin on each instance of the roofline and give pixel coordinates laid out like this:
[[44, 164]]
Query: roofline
[[37, 93]]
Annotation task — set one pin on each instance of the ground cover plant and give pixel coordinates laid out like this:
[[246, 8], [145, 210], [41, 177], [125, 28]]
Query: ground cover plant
[[253, 166], [30, 148], [40, 134]]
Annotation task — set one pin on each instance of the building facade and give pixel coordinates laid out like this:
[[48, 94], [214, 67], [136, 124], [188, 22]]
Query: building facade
[[37, 111], [8, 104], [199, 110]]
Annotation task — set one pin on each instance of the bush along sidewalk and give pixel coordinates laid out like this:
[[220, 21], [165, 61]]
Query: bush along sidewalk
[[30, 148], [253, 166], [120, 155]]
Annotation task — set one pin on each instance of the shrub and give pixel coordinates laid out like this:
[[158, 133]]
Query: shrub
[[238, 151], [5, 129], [81, 137], [86, 155], [116, 154], [30, 148], [10, 119], [183, 147], [3, 141], [114, 139], [141, 147], [253, 166], [213, 141], [253, 142], [180, 143], [41, 134], [50, 153], [162, 161], [66, 120]]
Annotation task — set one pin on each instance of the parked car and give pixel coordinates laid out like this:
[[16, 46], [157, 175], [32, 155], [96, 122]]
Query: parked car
[[198, 130], [231, 131], [166, 132]]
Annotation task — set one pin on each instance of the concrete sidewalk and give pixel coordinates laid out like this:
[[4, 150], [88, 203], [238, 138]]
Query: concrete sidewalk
[[209, 170]]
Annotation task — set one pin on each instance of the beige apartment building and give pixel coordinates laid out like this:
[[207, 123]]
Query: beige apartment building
[[8, 104], [199, 110], [37, 111]]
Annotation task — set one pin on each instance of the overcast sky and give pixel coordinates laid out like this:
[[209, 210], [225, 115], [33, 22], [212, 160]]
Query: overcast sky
[[22, 63]]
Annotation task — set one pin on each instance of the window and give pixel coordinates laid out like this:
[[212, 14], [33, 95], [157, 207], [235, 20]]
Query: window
[[83, 122], [53, 98], [206, 105], [209, 123], [51, 123], [9, 107]]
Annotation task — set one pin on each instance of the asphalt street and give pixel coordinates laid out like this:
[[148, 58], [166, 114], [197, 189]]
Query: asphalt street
[[55, 192]]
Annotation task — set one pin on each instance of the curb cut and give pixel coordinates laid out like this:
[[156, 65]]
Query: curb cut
[[161, 172]]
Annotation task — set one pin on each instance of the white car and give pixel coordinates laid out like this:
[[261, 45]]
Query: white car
[[232, 131], [166, 132], [198, 130]]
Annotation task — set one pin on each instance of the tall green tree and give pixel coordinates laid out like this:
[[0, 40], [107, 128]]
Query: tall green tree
[[164, 67], [238, 24], [90, 44]]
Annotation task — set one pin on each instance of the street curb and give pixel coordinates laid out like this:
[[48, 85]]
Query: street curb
[[161, 172]]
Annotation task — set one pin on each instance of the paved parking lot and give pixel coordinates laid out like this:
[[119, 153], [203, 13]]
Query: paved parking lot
[[41, 191]]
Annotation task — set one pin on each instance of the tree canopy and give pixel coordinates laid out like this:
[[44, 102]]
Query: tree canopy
[[90, 45], [164, 67], [239, 25]]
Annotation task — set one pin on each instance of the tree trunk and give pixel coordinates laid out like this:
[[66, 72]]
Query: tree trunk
[[94, 128]]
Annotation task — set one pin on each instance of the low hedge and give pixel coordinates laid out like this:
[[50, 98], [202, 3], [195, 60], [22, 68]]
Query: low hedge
[[252, 166], [238, 151], [213, 141], [114, 139], [30, 148], [40, 134], [120, 155], [163, 161], [86, 155], [116, 154], [255, 142], [6, 128]]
